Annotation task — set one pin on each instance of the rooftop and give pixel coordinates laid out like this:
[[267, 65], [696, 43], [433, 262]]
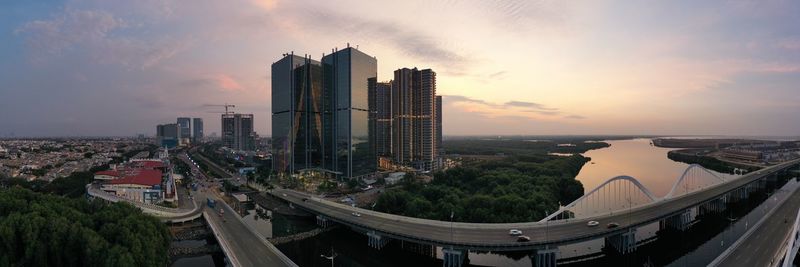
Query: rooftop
[[140, 177]]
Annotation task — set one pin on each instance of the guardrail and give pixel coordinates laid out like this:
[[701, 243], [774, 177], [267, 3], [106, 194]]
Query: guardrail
[[262, 238], [755, 226], [791, 246], [148, 208], [223, 242]]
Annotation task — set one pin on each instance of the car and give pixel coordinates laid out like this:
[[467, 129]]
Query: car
[[592, 223], [284, 195], [514, 232], [305, 199], [523, 238], [356, 214], [612, 225]]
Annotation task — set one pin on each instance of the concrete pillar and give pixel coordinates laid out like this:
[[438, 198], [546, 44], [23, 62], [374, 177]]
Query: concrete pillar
[[453, 257], [682, 220], [623, 243], [322, 221], [375, 240], [545, 257], [715, 206]]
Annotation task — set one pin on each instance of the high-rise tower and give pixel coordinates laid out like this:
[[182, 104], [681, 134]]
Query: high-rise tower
[[320, 113], [414, 117]]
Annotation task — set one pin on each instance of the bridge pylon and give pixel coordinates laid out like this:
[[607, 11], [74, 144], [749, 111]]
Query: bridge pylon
[[677, 222], [376, 241], [623, 243], [323, 221], [545, 257], [453, 257]]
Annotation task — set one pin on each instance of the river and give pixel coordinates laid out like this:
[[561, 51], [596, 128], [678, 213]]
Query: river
[[636, 158]]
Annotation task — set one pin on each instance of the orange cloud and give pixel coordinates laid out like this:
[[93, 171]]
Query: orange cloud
[[267, 5], [227, 83]]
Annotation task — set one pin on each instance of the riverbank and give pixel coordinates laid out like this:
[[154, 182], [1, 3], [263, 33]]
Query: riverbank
[[702, 157]]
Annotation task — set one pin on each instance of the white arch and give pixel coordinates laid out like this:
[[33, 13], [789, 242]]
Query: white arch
[[633, 180], [683, 176]]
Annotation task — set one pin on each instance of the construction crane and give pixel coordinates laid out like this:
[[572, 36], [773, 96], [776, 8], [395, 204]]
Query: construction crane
[[226, 105]]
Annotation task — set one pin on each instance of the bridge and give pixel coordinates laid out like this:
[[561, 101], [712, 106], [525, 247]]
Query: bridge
[[243, 245], [172, 215], [622, 200]]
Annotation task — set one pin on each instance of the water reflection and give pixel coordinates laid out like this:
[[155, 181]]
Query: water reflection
[[636, 158]]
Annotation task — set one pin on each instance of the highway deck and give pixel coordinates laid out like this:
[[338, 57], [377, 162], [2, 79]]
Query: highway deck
[[495, 237], [759, 248]]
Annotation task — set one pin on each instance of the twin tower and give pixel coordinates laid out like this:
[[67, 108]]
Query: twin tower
[[334, 118]]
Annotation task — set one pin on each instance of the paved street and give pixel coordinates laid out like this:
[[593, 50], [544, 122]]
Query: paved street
[[248, 248], [759, 248]]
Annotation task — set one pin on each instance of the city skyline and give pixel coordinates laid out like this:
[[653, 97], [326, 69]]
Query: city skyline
[[517, 68]]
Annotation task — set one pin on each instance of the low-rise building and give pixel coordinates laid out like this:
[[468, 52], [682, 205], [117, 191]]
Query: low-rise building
[[140, 185]]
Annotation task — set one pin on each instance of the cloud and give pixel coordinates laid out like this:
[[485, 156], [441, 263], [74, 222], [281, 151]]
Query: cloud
[[90, 33], [403, 39], [267, 5], [65, 30], [220, 81], [227, 83], [528, 105], [576, 117], [498, 75], [530, 110]]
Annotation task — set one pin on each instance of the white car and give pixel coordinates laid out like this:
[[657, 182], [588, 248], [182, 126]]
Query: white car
[[356, 214], [514, 232], [592, 223]]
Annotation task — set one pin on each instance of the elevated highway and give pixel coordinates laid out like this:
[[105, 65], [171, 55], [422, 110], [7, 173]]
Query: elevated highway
[[494, 236]]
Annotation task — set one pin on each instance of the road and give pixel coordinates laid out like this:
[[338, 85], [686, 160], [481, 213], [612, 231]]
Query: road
[[494, 237], [760, 247], [248, 248]]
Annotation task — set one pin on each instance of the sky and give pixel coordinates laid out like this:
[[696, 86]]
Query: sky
[[118, 68]]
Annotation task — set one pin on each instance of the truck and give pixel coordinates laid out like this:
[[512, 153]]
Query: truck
[[211, 203]]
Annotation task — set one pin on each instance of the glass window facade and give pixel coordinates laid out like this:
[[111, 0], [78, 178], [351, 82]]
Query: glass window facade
[[320, 113]]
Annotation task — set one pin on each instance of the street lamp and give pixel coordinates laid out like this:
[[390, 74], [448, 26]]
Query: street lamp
[[333, 255]]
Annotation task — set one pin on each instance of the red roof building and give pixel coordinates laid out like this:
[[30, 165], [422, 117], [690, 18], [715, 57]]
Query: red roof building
[[141, 177]]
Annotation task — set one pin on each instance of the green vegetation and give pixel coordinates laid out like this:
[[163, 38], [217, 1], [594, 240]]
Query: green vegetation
[[522, 186], [517, 146], [73, 185], [45, 230], [687, 156]]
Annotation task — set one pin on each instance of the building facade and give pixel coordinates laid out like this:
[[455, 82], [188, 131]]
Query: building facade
[[439, 150], [197, 131], [168, 135], [237, 131], [380, 99], [186, 130], [320, 113], [414, 118]]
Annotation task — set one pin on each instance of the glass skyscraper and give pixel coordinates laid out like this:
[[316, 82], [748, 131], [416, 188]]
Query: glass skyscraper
[[320, 113]]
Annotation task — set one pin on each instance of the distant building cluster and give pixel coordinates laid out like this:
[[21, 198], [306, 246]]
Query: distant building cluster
[[55, 158], [768, 152], [333, 116], [181, 133]]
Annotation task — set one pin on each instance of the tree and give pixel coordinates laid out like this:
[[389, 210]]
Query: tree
[[46, 230]]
